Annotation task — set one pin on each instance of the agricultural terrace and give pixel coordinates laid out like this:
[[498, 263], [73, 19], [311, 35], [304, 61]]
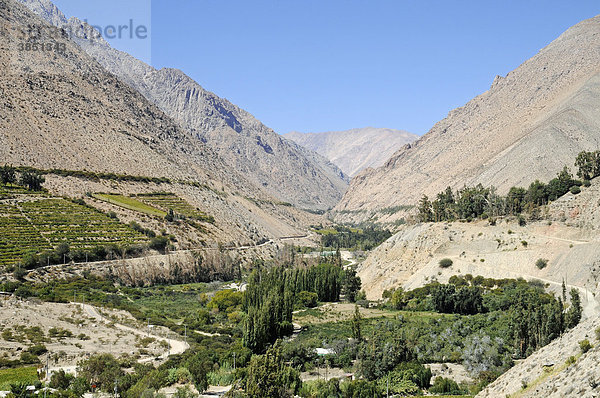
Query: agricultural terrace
[[39, 224], [168, 201]]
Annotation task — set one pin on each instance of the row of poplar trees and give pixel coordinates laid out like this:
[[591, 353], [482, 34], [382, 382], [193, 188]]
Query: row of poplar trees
[[271, 294]]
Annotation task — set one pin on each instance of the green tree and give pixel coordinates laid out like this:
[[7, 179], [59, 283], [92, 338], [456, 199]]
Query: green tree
[[356, 324], [360, 389], [61, 380], [7, 174], [32, 180], [101, 369], [575, 310], [351, 284], [269, 377], [425, 210], [442, 385]]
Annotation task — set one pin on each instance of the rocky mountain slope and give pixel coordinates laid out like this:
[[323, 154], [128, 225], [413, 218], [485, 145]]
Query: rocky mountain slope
[[527, 126], [286, 170], [357, 149], [62, 109], [411, 257], [548, 372]]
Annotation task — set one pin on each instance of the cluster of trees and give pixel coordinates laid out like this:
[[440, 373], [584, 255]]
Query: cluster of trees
[[465, 300], [94, 176], [480, 202], [29, 179], [588, 164], [536, 317], [356, 239], [272, 294]]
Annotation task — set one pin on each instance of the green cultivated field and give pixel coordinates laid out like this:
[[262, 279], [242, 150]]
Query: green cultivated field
[[19, 375], [11, 191], [166, 201], [38, 225], [130, 203]]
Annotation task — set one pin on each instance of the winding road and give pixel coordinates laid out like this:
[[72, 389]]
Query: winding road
[[175, 346]]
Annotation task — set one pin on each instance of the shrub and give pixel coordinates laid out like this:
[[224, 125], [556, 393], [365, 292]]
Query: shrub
[[32, 180], [38, 349], [442, 385], [587, 183], [445, 263], [61, 380], [585, 345], [598, 333], [307, 299], [575, 190], [524, 243], [541, 263], [159, 243]]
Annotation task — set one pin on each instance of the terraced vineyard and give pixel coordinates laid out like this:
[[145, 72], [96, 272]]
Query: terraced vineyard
[[130, 203], [166, 201], [40, 224], [12, 191]]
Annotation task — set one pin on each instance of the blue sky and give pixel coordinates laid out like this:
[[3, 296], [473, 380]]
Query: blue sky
[[338, 64]]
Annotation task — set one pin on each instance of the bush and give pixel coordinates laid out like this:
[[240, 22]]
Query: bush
[[61, 380], [307, 299], [541, 263], [38, 349], [32, 180], [575, 190], [159, 243], [585, 345], [445, 263], [587, 183], [442, 385]]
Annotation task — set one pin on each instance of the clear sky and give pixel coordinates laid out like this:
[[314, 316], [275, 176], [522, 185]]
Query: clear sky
[[325, 65]]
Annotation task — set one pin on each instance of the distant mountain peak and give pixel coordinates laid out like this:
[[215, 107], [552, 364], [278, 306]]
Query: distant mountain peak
[[291, 173], [356, 149]]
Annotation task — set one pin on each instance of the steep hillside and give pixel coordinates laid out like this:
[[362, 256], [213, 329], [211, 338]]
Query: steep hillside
[[62, 109], [357, 149], [411, 257], [527, 126], [286, 170], [549, 373]]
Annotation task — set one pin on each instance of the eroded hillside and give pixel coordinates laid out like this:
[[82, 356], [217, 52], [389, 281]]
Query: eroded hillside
[[527, 126]]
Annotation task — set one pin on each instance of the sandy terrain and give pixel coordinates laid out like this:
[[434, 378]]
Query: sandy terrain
[[90, 331]]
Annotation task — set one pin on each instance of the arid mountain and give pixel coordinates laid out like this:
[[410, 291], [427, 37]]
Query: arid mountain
[[357, 149], [59, 108], [567, 237], [286, 170], [527, 126]]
